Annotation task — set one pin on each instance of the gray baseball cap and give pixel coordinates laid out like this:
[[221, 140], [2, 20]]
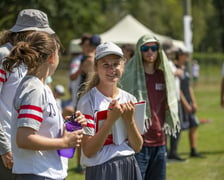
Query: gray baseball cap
[[32, 19], [107, 48]]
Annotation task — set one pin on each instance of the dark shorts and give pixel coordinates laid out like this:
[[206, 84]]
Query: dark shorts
[[189, 121], [195, 78], [5, 172], [119, 168]]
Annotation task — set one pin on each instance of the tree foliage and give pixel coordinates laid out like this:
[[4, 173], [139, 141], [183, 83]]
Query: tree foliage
[[71, 18]]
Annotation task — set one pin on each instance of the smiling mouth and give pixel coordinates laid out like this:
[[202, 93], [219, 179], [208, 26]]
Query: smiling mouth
[[112, 75]]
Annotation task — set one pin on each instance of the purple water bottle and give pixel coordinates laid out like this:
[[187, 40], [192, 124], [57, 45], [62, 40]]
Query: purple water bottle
[[70, 125]]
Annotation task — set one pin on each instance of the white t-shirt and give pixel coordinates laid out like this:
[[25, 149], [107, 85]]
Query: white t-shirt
[[195, 70], [9, 82], [36, 108], [89, 104]]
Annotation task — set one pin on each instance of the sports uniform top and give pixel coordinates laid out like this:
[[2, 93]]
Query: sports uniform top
[[92, 102]]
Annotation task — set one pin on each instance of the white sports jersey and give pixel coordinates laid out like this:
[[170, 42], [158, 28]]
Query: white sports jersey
[[89, 104], [8, 85], [36, 108]]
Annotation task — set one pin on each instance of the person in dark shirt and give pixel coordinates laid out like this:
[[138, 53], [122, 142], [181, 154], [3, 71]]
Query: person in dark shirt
[[148, 77]]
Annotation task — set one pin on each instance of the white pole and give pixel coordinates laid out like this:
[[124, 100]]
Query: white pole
[[188, 33], [187, 19]]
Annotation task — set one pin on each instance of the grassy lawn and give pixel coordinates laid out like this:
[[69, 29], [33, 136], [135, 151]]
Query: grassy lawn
[[210, 136]]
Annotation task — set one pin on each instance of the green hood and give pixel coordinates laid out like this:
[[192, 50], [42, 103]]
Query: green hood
[[133, 81]]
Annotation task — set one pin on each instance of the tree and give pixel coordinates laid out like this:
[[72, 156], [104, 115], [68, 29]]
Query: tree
[[71, 18], [219, 6], [68, 18]]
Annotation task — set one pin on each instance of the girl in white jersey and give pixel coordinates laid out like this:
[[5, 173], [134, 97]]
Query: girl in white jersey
[[37, 124], [102, 157]]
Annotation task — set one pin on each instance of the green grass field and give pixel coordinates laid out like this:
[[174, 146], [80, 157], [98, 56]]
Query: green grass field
[[210, 136]]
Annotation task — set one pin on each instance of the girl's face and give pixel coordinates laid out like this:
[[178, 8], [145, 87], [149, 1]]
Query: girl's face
[[149, 52], [110, 68]]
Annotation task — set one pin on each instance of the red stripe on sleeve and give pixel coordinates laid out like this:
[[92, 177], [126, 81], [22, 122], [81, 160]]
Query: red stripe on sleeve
[[91, 118], [31, 107], [31, 116], [2, 80], [2, 72], [90, 125], [88, 117], [141, 102]]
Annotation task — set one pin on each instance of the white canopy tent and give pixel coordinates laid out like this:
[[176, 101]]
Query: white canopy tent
[[127, 30]]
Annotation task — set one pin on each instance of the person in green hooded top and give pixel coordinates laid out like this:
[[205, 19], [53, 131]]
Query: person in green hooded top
[[148, 77]]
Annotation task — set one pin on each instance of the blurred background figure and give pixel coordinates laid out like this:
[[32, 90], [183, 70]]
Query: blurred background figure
[[64, 105], [86, 71], [94, 41], [58, 92], [67, 105], [189, 105], [195, 72], [88, 45], [75, 66], [49, 81], [128, 50]]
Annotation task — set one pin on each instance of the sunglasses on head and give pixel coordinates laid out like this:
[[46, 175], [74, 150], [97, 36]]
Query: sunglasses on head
[[145, 48]]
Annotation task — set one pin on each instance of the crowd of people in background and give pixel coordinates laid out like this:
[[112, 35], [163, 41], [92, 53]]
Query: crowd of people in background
[[103, 77]]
